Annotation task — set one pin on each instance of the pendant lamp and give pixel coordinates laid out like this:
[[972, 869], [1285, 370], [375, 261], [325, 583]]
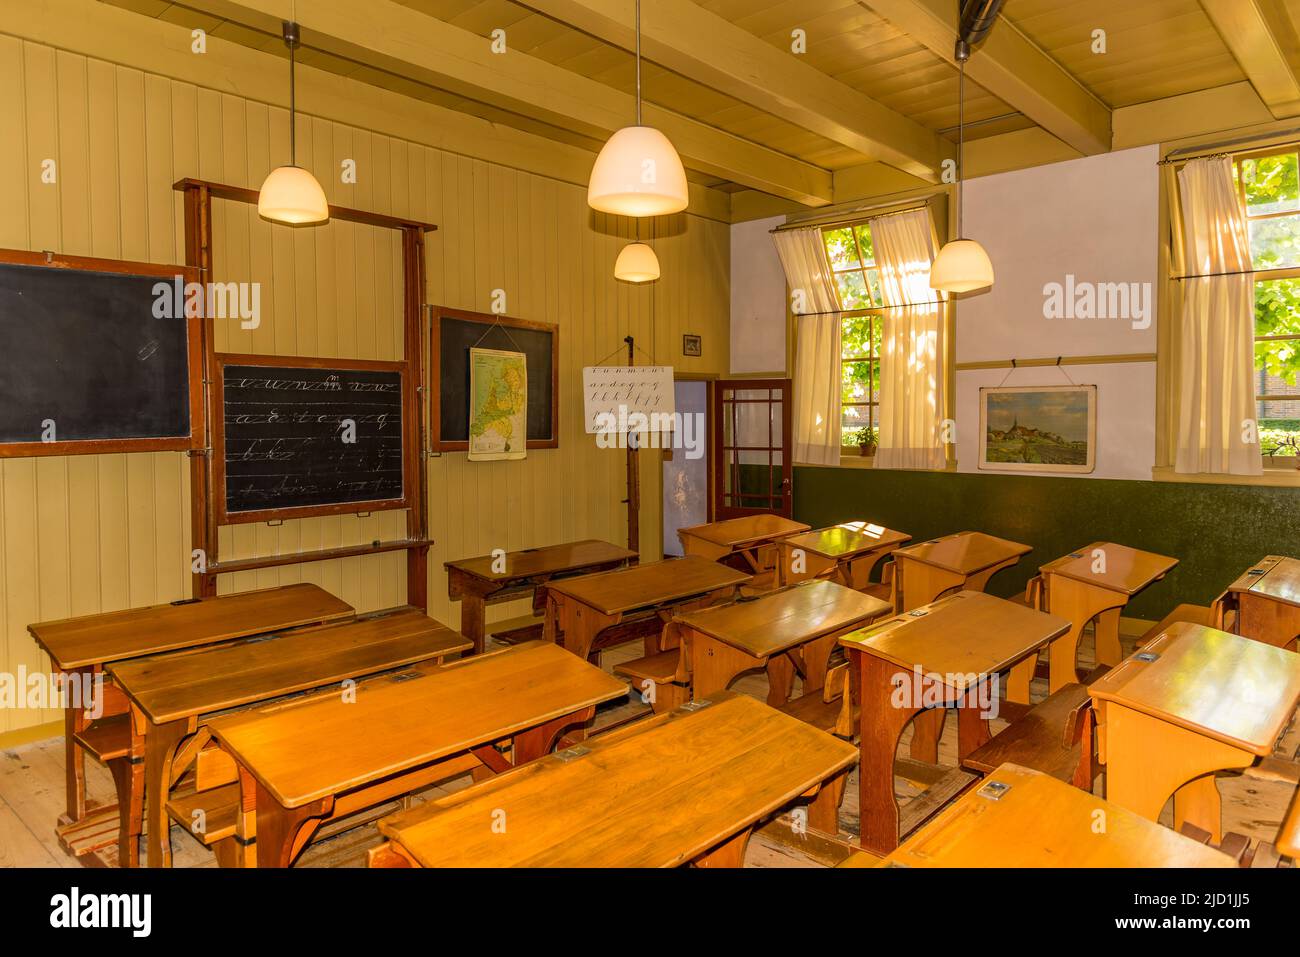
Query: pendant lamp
[[291, 194], [637, 263], [962, 264], [638, 173]]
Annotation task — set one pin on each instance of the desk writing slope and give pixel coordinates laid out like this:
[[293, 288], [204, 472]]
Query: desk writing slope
[[658, 795], [88, 358]]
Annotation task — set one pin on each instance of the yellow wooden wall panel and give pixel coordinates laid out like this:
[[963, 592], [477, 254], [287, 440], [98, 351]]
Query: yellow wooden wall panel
[[88, 533]]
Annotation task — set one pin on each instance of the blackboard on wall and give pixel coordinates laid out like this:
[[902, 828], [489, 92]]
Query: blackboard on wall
[[95, 355], [300, 437], [455, 332]]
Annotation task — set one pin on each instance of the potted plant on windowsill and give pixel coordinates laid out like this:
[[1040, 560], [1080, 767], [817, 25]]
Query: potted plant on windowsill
[[866, 440]]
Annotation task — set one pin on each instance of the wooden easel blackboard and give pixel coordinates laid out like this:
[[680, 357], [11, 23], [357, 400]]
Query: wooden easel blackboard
[[96, 355], [455, 332], [299, 437]]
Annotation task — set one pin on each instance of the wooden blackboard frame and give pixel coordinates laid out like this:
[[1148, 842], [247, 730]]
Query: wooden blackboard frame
[[436, 441], [410, 437], [194, 352]]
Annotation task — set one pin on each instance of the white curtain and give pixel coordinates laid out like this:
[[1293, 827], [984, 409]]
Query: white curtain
[[1215, 411], [912, 356], [817, 345]]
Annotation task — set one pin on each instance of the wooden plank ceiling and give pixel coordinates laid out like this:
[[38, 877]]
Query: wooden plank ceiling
[[875, 85]]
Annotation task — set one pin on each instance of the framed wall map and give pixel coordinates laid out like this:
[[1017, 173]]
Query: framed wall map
[[1039, 428]]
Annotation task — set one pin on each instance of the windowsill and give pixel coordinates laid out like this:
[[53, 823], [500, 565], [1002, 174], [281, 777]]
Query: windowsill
[[853, 460], [1272, 477]]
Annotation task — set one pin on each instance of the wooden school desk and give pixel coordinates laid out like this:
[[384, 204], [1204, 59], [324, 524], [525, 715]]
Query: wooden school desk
[[683, 787], [966, 560], [1193, 701], [1078, 593], [845, 553], [793, 629], [738, 541], [171, 694], [473, 583], [1023, 818], [80, 647], [1267, 597], [588, 608], [958, 643], [306, 761]]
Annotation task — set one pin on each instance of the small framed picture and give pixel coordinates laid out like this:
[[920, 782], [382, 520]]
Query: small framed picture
[[1039, 428], [691, 346]]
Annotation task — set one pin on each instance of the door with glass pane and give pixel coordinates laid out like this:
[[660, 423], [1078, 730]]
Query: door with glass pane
[[753, 433]]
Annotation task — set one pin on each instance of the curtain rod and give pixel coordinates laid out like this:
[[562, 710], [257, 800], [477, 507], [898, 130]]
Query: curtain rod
[[851, 216], [1215, 149]]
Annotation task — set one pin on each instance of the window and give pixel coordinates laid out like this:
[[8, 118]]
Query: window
[[1270, 189], [857, 282]]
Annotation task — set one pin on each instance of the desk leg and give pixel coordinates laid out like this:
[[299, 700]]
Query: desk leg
[[283, 832], [972, 731], [1019, 679], [581, 625], [879, 728], [1080, 603], [824, 811], [1148, 760], [715, 665], [74, 760], [927, 729], [1106, 637], [473, 620], [128, 779], [159, 749]]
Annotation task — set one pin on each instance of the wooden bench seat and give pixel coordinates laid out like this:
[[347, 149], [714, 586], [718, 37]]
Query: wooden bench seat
[[107, 739], [514, 631], [219, 809], [664, 670], [1197, 614], [831, 710], [1054, 737]]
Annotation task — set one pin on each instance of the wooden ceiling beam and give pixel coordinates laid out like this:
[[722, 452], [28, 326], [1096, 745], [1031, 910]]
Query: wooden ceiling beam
[[706, 48], [1262, 37], [1012, 68], [411, 44]]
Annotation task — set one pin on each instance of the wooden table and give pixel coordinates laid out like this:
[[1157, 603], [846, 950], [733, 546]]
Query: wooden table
[[683, 787], [958, 644], [1193, 701], [319, 758], [1094, 582], [1268, 601], [845, 553], [966, 560], [80, 647], [171, 694], [1018, 817], [590, 609], [741, 542], [793, 629], [476, 582]]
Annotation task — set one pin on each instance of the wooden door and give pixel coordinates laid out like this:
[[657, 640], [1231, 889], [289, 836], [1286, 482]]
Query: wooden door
[[753, 432]]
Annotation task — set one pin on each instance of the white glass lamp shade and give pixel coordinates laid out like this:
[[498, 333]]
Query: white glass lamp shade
[[961, 266], [637, 263], [292, 195], [638, 173]]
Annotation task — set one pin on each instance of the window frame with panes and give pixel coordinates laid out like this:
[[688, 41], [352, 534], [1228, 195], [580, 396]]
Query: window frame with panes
[[1269, 273], [857, 288]]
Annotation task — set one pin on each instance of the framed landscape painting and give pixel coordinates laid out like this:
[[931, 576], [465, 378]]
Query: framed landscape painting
[[1039, 428]]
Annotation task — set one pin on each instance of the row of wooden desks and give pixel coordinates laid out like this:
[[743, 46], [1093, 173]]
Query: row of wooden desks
[[172, 695], [476, 582], [81, 647], [683, 787]]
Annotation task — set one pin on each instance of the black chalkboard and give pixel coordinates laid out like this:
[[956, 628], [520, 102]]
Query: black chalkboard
[[96, 359], [456, 332], [283, 437]]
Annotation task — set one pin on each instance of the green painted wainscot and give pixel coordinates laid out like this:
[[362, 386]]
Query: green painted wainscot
[[1216, 531]]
